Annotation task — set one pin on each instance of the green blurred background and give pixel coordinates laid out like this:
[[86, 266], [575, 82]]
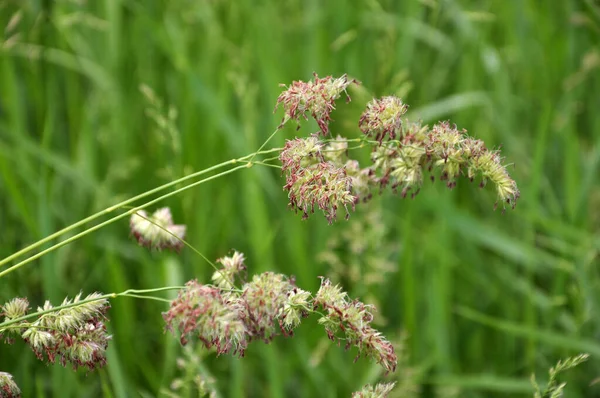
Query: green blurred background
[[101, 100]]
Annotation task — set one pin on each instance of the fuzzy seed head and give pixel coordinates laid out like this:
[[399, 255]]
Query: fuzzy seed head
[[76, 335], [157, 231], [362, 180], [322, 186], [215, 318], [353, 319], [300, 153], [38, 339], [383, 118], [264, 299], [8, 387], [295, 308], [315, 98], [232, 266], [15, 308], [490, 166]]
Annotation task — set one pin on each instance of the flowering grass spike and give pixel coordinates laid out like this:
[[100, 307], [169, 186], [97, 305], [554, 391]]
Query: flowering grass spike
[[76, 334], [228, 319], [211, 315], [158, 230], [232, 266], [383, 117], [8, 387], [315, 98], [319, 174], [353, 320]]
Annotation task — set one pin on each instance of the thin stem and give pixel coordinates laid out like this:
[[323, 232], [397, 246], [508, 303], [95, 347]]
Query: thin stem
[[268, 165], [271, 159], [285, 119], [128, 201], [164, 300], [116, 218]]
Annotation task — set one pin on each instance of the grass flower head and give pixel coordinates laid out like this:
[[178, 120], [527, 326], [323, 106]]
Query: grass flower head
[[8, 387], [315, 98], [158, 230]]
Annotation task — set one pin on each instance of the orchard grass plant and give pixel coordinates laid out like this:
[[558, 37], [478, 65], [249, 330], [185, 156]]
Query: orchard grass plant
[[236, 307]]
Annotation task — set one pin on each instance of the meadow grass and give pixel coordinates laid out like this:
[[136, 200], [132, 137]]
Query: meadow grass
[[100, 101]]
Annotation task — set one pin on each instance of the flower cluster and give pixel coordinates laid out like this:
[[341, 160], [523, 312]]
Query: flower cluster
[[8, 387], [321, 174], [13, 310], [300, 153], [229, 320], [75, 333], [401, 164], [383, 117], [380, 390], [353, 319], [313, 182], [269, 305], [316, 98], [232, 266], [264, 299], [322, 185], [213, 316], [157, 231], [295, 308]]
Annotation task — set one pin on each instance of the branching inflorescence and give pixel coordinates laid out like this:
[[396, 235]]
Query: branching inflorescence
[[76, 334], [321, 175], [315, 98], [269, 305]]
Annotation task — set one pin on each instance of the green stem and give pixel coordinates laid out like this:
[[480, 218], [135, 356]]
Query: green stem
[[286, 118], [128, 201], [116, 218], [268, 165]]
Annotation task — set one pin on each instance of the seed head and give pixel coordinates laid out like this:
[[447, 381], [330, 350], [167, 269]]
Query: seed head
[[401, 167], [383, 117], [300, 153], [446, 146], [157, 231], [264, 300], [490, 166], [11, 310], [456, 153], [320, 185], [76, 335], [315, 98], [8, 387], [233, 265], [215, 318], [353, 318], [295, 308], [362, 180], [15, 308]]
